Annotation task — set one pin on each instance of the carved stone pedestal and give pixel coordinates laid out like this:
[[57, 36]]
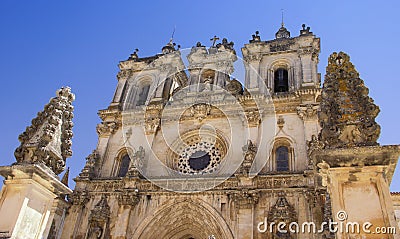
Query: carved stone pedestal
[[358, 181], [31, 202]]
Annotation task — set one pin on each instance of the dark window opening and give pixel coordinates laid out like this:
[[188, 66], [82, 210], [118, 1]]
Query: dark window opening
[[144, 92], [282, 158], [281, 80], [124, 166], [199, 160]]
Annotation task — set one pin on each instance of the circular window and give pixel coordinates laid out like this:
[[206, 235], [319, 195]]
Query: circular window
[[199, 160], [201, 157]]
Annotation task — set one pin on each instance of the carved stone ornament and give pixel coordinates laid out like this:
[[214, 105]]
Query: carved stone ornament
[[151, 125], [101, 211], [79, 198], [200, 111], [225, 45], [314, 144], [249, 153], [347, 116], [280, 122], [128, 198], [282, 32], [246, 199], [136, 163], [323, 172], [253, 117], [88, 170], [307, 112], [255, 37], [105, 129], [234, 87], [98, 219], [152, 119], [48, 139], [282, 211]]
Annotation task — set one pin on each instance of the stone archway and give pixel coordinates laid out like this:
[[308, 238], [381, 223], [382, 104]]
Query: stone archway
[[184, 219]]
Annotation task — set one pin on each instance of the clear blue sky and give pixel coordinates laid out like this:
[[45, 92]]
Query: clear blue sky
[[48, 44]]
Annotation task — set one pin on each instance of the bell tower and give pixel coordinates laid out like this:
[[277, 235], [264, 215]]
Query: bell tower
[[142, 80], [284, 64]]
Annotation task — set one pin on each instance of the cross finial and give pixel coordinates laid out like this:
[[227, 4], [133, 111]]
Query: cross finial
[[214, 39], [172, 35], [282, 24]]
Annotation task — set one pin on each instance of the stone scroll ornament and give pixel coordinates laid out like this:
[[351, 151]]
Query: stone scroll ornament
[[48, 139], [347, 115]]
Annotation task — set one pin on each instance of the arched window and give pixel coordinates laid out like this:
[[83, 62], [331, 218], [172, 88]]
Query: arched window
[[124, 165], [282, 158], [281, 80], [142, 94]]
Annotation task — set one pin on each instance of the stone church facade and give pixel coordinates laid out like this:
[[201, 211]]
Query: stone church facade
[[187, 151]]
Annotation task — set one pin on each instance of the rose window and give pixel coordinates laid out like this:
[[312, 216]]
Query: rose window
[[201, 157]]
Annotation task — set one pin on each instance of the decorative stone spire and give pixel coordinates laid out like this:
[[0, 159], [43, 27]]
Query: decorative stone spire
[[88, 171], [347, 114], [282, 32], [48, 139], [65, 178]]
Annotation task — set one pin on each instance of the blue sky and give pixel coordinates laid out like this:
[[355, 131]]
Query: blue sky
[[48, 44]]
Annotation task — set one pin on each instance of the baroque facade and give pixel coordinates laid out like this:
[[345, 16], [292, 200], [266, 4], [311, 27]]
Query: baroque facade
[[188, 151]]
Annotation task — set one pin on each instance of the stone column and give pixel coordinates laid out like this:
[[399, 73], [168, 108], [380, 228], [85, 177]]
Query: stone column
[[73, 221], [245, 201], [127, 201], [27, 200], [358, 181], [252, 73]]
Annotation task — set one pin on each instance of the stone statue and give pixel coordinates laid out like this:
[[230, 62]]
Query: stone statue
[[95, 232], [136, 163], [249, 153]]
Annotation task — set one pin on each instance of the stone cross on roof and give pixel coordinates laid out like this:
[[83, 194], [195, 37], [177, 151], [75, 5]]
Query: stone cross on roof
[[214, 39]]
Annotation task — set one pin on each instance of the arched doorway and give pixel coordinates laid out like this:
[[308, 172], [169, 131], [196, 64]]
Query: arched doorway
[[185, 219]]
